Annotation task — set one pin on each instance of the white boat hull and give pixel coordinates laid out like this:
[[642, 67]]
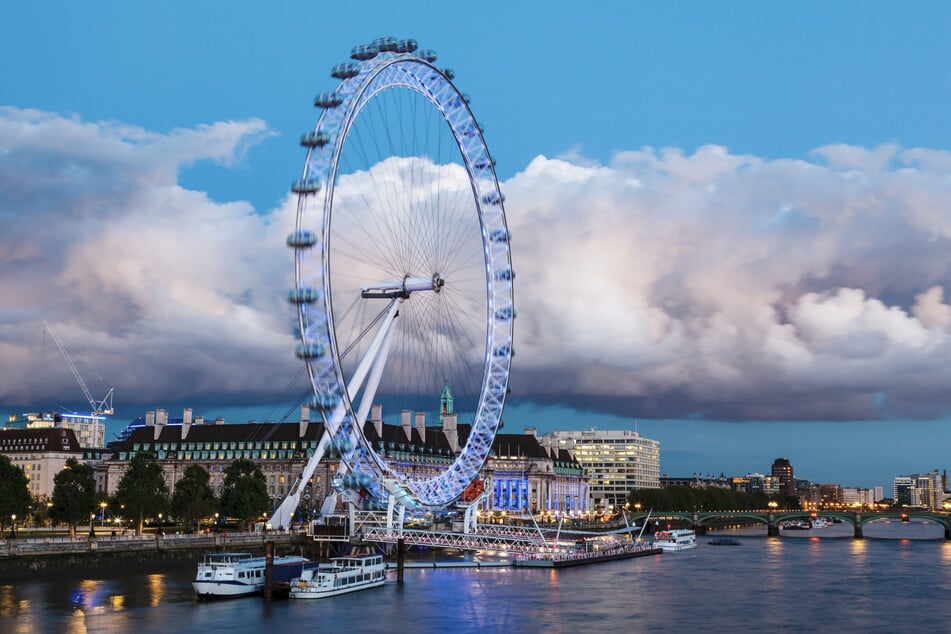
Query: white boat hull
[[310, 592], [225, 589]]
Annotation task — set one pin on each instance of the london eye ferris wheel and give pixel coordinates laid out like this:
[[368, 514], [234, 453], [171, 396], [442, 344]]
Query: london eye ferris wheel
[[404, 281]]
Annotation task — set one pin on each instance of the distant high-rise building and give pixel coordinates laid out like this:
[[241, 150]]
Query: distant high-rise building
[[89, 430], [616, 461], [783, 471]]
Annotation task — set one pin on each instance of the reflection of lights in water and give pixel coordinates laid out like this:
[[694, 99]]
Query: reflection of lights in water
[[7, 604], [156, 589], [946, 552]]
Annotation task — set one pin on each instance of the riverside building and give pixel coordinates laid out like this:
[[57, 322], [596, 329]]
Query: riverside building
[[89, 430], [42, 452], [521, 474], [615, 461]]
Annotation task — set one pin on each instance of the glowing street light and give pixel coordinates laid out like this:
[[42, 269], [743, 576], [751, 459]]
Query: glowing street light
[[102, 514]]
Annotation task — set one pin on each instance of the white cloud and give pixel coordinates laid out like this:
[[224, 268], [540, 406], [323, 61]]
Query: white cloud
[[735, 286], [663, 283], [163, 290]]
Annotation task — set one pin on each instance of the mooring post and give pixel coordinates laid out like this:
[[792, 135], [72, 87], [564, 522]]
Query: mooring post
[[268, 569], [400, 552]]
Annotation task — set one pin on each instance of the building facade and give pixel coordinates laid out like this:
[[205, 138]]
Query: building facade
[[42, 453], [520, 475], [923, 490], [782, 471], [615, 461], [89, 430]]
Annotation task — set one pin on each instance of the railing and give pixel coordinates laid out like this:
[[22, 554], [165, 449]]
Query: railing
[[36, 546]]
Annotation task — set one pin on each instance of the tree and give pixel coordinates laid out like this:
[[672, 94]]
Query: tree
[[244, 494], [142, 488], [193, 498], [14, 493], [74, 494]]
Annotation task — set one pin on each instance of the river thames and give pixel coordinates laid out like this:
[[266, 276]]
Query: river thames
[[819, 580]]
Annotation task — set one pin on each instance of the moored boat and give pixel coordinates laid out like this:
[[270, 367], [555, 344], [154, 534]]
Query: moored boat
[[590, 552], [231, 575], [340, 576], [675, 540]]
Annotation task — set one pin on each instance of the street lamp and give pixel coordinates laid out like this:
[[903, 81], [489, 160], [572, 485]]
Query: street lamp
[[13, 529], [102, 514]]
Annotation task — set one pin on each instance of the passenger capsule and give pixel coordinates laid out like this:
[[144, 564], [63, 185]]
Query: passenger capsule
[[327, 100], [306, 186], [503, 351], [493, 198], [505, 314], [499, 235], [314, 138], [406, 46], [345, 70], [364, 52], [449, 73], [310, 350], [386, 44], [364, 479], [428, 55], [324, 401], [303, 295], [505, 275], [302, 239]]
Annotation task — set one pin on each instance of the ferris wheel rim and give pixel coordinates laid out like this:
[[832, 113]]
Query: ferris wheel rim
[[421, 76]]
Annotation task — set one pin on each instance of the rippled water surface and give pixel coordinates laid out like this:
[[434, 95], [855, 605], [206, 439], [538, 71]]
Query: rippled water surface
[[820, 580]]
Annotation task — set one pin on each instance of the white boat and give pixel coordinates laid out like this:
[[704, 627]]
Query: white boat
[[228, 575], [340, 576], [677, 539]]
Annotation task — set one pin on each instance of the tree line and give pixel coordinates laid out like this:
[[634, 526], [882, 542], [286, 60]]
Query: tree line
[[688, 498], [141, 493]]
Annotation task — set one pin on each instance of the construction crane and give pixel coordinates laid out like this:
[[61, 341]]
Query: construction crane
[[100, 408]]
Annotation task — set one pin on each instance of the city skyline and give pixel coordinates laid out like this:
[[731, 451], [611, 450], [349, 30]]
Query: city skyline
[[728, 223]]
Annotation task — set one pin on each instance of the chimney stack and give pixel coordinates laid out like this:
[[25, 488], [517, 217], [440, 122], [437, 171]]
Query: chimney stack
[[161, 419], [405, 424], [186, 422], [421, 426], [451, 431], [376, 417], [304, 420]]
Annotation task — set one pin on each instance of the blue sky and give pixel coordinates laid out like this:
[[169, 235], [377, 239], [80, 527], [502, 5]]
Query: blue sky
[[750, 201]]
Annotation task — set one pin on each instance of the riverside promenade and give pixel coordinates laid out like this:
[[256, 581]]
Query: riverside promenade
[[31, 553]]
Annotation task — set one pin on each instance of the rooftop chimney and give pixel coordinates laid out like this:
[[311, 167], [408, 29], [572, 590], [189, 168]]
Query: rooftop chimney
[[186, 422], [376, 417], [161, 419], [421, 426], [304, 420], [451, 431], [405, 424]]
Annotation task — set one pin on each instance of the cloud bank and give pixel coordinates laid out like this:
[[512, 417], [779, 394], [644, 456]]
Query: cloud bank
[[661, 284], [165, 293], [735, 287]]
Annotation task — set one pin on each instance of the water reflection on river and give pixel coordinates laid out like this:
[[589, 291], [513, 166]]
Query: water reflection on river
[[814, 580]]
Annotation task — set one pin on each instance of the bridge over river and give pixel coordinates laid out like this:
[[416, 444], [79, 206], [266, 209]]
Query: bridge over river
[[701, 520]]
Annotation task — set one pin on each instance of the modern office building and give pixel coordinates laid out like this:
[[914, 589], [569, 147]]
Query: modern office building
[[89, 430], [42, 453], [782, 471], [616, 461], [924, 490]]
